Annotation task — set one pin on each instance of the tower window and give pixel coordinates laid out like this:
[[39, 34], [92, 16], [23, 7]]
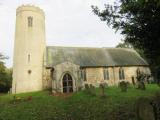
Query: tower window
[[30, 21], [29, 58]]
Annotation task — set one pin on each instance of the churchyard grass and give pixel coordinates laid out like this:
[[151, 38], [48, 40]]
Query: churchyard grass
[[78, 106]]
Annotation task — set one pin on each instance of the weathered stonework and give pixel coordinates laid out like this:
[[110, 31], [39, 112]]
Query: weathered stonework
[[96, 76], [47, 79], [60, 70]]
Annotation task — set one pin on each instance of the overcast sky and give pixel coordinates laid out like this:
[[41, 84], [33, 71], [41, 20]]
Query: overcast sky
[[68, 23]]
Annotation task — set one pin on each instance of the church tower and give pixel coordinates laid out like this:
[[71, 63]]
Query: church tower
[[29, 49]]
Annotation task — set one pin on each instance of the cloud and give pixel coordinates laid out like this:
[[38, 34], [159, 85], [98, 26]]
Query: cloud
[[68, 23]]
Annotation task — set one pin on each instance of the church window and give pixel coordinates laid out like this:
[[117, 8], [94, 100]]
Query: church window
[[121, 74], [67, 83], [106, 74], [83, 74], [30, 21]]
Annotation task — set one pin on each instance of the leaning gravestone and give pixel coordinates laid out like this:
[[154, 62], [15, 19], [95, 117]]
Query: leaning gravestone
[[123, 85], [141, 85], [102, 88], [92, 90], [86, 86], [144, 109], [156, 105]]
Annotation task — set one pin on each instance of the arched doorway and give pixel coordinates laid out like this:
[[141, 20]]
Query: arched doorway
[[67, 83]]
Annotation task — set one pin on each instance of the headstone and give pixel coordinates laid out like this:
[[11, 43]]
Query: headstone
[[144, 109]]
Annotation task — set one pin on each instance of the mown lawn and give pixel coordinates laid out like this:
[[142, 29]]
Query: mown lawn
[[116, 105]]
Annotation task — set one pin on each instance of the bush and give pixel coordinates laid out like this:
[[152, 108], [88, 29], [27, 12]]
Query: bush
[[5, 81], [5, 75], [141, 79]]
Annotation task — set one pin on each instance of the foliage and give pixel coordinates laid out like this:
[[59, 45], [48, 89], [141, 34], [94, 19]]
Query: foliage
[[124, 44], [142, 79], [139, 22], [5, 75], [123, 85], [80, 106]]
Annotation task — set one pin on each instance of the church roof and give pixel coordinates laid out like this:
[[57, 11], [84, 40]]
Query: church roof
[[93, 57]]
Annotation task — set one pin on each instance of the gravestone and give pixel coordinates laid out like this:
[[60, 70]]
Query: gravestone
[[144, 109]]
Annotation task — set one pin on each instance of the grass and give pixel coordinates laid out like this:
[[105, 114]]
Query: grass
[[79, 106]]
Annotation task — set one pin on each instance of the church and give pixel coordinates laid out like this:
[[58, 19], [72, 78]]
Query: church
[[65, 69]]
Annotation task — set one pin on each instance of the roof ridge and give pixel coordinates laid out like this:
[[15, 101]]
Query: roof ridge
[[129, 49], [75, 47]]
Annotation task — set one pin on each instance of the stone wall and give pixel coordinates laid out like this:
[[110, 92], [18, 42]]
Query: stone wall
[[60, 70], [95, 75], [47, 79]]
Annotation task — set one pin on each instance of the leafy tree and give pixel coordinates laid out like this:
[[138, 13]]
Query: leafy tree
[[139, 22], [2, 58], [5, 75], [124, 44]]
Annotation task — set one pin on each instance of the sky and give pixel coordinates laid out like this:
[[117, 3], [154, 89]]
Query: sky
[[68, 23]]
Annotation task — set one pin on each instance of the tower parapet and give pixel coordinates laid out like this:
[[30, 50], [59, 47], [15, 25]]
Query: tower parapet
[[29, 7]]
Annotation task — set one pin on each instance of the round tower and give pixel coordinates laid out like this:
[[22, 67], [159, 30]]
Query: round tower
[[29, 49]]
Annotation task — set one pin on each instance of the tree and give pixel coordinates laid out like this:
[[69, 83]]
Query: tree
[[124, 44], [5, 75], [139, 22]]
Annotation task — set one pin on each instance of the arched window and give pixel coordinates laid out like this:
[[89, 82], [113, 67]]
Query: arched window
[[30, 21], [121, 74], [67, 83], [106, 73]]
